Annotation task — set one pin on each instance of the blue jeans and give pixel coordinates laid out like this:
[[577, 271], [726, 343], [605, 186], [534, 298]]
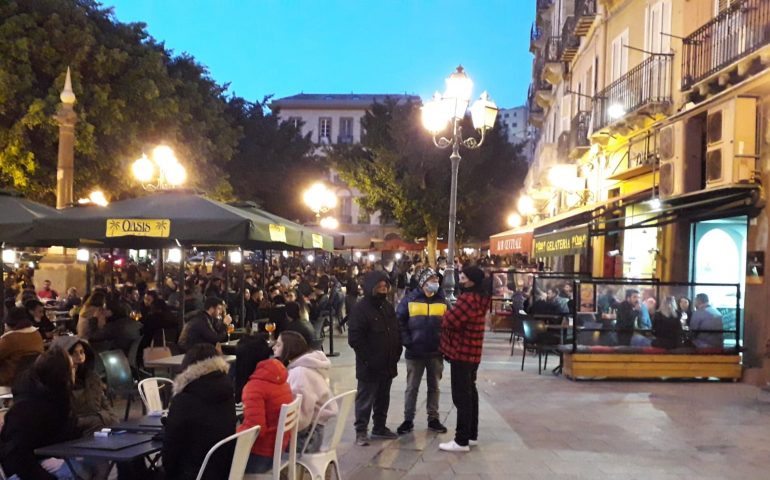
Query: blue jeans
[[259, 464]]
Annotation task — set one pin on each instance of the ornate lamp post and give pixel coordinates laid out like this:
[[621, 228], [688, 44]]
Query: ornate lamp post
[[320, 200], [162, 172], [451, 108]]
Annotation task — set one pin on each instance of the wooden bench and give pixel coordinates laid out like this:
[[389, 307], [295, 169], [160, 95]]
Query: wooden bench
[[649, 366]]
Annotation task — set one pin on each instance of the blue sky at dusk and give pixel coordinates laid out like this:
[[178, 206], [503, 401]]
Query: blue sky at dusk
[[284, 47]]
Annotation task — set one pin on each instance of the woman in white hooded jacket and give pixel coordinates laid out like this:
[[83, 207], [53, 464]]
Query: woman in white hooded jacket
[[308, 376]]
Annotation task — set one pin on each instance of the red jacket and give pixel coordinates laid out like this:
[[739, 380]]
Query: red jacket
[[462, 328], [262, 397]]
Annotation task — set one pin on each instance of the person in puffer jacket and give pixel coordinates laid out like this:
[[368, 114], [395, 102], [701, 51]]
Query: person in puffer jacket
[[419, 317], [202, 412], [264, 394], [309, 377], [462, 340]]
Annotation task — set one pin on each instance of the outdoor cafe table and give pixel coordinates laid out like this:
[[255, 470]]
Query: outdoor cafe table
[[113, 449], [147, 424], [174, 363]]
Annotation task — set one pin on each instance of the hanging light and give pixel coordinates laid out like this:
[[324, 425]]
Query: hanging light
[[514, 220], [398, 255], [82, 255], [143, 169], [174, 255], [236, 257], [371, 257], [310, 258], [9, 256]]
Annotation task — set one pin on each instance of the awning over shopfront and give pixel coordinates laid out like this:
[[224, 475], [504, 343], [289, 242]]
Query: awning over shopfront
[[708, 204], [518, 240], [572, 241]]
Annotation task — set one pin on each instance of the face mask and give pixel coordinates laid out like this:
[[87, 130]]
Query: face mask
[[432, 288]]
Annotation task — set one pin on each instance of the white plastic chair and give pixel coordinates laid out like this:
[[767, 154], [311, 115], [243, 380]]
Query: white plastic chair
[[243, 442], [317, 462], [287, 422], [149, 391]]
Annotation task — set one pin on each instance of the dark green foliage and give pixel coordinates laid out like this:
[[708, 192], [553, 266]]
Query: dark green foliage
[[401, 172]]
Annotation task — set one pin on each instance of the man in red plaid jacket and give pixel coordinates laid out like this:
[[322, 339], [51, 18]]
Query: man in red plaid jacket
[[462, 339]]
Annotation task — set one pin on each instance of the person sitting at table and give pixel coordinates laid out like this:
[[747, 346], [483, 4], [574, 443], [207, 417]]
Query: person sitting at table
[[93, 315], [20, 340], [706, 324], [251, 349], [119, 332], [89, 401], [666, 326], [309, 377], [208, 326], [545, 303], [40, 416], [159, 318], [297, 324], [47, 293], [40, 321], [628, 317], [72, 299], [263, 395], [201, 413]]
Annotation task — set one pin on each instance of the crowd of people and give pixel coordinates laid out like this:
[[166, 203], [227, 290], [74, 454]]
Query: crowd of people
[[385, 307], [625, 317]]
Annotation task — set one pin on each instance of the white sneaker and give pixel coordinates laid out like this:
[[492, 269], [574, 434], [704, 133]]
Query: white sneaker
[[473, 443], [453, 447]]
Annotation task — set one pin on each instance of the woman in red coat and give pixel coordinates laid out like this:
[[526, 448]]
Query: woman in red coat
[[262, 397]]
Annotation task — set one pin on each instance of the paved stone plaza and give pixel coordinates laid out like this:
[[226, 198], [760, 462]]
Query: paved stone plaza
[[546, 427]]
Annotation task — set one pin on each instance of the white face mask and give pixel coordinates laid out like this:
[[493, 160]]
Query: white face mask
[[432, 288]]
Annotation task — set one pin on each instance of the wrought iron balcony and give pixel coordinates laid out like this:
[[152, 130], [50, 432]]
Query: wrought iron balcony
[[738, 31], [585, 15], [553, 50], [578, 133], [645, 89], [570, 43], [536, 38]]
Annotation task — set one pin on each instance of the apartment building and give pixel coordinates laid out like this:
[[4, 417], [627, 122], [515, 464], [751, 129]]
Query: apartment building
[[652, 121], [333, 119]]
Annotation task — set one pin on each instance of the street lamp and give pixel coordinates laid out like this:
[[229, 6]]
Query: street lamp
[[329, 223], [162, 172], [320, 200], [514, 220], [451, 108]]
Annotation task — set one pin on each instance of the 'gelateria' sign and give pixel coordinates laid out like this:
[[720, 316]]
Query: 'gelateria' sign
[[138, 227], [565, 242]]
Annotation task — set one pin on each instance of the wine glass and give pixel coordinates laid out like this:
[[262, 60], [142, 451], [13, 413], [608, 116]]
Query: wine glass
[[270, 328], [230, 330]]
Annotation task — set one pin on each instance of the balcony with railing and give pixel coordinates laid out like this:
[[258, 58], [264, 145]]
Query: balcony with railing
[[543, 89], [644, 91], [585, 15], [735, 34], [562, 146], [536, 113], [553, 68], [570, 43], [578, 134], [536, 38]]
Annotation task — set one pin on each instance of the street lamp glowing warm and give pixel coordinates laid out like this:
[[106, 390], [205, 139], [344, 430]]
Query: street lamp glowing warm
[[143, 169], [329, 223], [514, 220], [320, 199], [97, 197], [451, 108], [525, 205], [164, 168]]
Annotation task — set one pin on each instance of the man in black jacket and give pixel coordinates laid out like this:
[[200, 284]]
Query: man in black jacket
[[373, 334], [208, 326]]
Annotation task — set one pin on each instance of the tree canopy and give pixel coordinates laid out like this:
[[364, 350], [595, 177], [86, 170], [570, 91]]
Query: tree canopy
[[401, 172], [132, 94]]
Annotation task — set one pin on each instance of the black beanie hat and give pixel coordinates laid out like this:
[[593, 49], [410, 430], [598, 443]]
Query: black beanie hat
[[474, 274]]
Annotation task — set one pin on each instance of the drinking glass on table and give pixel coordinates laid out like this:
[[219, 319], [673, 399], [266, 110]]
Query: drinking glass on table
[[270, 328], [230, 329]]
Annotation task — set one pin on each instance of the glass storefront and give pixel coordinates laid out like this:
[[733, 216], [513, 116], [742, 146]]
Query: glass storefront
[[640, 245]]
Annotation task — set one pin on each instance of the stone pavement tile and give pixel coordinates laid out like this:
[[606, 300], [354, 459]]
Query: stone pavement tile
[[374, 473], [396, 458], [430, 468]]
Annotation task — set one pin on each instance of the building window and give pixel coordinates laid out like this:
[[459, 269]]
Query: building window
[[296, 122], [325, 130], [619, 56], [515, 125], [346, 130]]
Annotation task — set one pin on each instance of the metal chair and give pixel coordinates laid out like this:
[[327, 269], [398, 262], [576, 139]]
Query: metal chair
[[317, 462], [288, 421], [150, 393], [535, 338], [120, 381], [243, 442]]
